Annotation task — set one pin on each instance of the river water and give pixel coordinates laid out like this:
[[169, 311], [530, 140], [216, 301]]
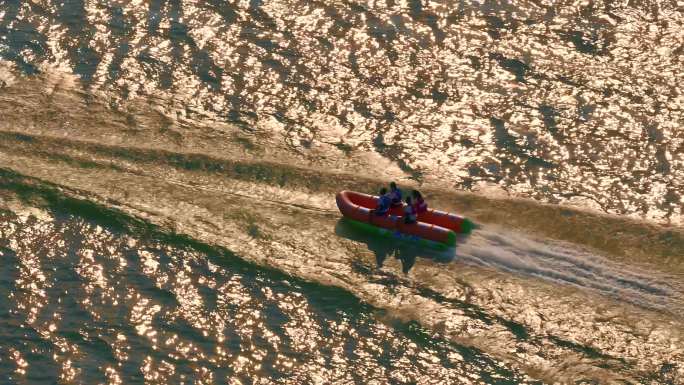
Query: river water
[[168, 171]]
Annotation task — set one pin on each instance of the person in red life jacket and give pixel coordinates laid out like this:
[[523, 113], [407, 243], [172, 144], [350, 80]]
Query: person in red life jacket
[[409, 212], [419, 204], [395, 195], [384, 202]]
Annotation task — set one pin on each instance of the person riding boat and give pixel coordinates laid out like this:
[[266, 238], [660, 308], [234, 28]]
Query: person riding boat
[[419, 204], [409, 212], [395, 195], [384, 202]]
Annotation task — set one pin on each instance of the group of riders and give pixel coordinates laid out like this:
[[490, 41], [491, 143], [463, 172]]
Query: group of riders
[[415, 204]]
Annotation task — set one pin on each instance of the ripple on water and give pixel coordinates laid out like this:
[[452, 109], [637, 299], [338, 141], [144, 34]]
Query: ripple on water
[[574, 103], [85, 303]]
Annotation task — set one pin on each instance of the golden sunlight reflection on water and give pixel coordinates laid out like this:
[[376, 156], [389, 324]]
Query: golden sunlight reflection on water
[[233, 123], [573, 102], [174, 314]]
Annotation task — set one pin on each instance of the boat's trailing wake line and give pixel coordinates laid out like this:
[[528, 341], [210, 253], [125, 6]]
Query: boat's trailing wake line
[[133, 159], [566, 264]]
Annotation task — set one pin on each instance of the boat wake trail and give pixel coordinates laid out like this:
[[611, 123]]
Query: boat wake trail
[[568, 264]]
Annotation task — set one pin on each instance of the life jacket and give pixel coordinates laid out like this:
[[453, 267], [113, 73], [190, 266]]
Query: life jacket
[[410, 212], [383, 203], [395, 196]]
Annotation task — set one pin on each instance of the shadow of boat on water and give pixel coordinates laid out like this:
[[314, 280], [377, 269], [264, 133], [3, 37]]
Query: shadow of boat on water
[[399, 246]]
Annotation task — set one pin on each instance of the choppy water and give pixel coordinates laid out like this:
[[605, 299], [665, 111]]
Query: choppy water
[[167, 173], [99, 305]]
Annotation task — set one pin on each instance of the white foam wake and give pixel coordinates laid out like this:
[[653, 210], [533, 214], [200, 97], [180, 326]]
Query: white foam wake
[[568, 264]]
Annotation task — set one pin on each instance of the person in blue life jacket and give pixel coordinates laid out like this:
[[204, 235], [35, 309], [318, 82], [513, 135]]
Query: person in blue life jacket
[[395, 195], [410, 215], [384, 202]]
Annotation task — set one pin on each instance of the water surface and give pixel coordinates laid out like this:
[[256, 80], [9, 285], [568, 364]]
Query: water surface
[[168, 169]]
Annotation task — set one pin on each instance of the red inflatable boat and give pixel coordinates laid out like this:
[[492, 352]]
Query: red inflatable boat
[[433, 225]]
